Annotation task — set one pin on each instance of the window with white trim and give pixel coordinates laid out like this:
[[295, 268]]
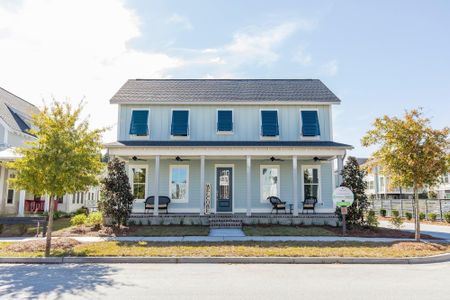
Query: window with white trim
[[311, 183], [138, 177], [179, 183], [10, 191], [269, 181]]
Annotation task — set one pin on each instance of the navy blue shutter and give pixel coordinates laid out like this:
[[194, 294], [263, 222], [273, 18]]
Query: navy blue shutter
[[224, 120], [180, 120], [139, 122], [310, 120], [269, 120]]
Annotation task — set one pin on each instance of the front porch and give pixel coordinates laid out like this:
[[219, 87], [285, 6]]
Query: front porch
[[203, 179]]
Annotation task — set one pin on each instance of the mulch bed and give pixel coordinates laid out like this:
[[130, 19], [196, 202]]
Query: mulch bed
[[440, 223], [32, 246]]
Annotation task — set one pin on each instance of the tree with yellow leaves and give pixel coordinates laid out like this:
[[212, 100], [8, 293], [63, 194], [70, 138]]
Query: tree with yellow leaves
[[411, 152], [64, 158]]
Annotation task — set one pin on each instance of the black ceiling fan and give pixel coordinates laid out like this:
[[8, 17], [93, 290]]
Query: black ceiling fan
[[273, 158], [320, 159], [135, 158], [181, 159]]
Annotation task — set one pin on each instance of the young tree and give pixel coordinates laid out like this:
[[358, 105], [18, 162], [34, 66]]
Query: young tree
[[117, 200], [353, 178], [411, 152], [64, 157]]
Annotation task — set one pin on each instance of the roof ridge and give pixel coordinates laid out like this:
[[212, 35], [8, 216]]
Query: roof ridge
[[19, 97], [225, 79]]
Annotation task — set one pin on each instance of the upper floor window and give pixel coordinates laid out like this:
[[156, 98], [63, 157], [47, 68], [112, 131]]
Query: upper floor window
[[10, 191], [180, 123], [310, 123], [269, 123], [224, 121], [139, 123]]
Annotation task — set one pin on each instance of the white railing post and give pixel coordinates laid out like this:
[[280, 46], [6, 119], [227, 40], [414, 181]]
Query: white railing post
[[22, 194]]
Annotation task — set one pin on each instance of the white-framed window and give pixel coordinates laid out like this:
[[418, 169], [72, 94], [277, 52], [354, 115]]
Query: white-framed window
[[311, 182], [269, 125], [138, 181], [370, 185], [180, 124], [382, 184], [11, 193], [225, 121], [310, 125], [139, 123], [269, 181], [179, 183]]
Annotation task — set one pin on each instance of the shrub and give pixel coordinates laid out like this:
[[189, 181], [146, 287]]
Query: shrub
[[395, 213], [82, 210], [95, 219], [408, 215], [371, 219], [1, 228], [422, 216], [396, 221], [78, 220], [432, 217], [447, 217], [383, 212]]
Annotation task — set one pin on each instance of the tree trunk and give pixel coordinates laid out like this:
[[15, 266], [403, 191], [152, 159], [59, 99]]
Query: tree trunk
[[49, 227], [417, 219]]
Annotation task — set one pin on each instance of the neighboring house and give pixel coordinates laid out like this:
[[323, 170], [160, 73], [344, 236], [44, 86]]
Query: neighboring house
[[15, 120], [246, 139], [443, 189], [378, 185]]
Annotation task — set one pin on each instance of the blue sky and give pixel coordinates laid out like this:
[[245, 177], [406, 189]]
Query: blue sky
[[379, 57]]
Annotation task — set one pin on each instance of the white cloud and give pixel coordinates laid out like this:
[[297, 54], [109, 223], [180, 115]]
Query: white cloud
[[73, 49], [329, 69], [182, 21], [302, 57]]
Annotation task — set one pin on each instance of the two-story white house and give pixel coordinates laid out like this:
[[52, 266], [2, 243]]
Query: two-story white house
[[236, 142]]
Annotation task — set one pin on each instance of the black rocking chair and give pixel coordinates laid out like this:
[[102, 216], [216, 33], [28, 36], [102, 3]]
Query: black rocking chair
[[277, 204]]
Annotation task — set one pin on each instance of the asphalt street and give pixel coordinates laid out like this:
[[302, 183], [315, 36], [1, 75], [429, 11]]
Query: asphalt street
[[219, 281]]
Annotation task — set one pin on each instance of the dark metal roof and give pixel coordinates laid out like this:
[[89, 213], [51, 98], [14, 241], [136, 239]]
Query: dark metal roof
[[228, 144], [194, 91]]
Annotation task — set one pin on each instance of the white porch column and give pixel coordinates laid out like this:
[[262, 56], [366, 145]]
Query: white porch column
[[202, 185], [22, 194], [295, 194], [340, 166], [249, 185], [46, 203], [156, 203]]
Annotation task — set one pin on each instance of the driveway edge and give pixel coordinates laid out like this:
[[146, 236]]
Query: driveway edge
[[225, 260]]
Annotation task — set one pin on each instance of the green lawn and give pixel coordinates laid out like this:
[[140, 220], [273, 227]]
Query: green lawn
[[168, 231], [277, 230], [243, 249]]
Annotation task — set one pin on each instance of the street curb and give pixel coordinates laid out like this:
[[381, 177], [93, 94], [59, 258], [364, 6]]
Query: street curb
[[225, 260]]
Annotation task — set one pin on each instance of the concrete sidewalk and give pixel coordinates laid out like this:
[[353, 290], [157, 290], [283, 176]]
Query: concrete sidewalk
[[437, 231], [85, 239]]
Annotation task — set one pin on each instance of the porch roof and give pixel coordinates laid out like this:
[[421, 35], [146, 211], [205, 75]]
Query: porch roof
[[181, 143]]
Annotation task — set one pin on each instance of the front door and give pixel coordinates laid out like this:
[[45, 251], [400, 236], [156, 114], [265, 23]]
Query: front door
[[224, 189]]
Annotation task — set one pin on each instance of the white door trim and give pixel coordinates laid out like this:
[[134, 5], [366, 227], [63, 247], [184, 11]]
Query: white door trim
[[215, 186]]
